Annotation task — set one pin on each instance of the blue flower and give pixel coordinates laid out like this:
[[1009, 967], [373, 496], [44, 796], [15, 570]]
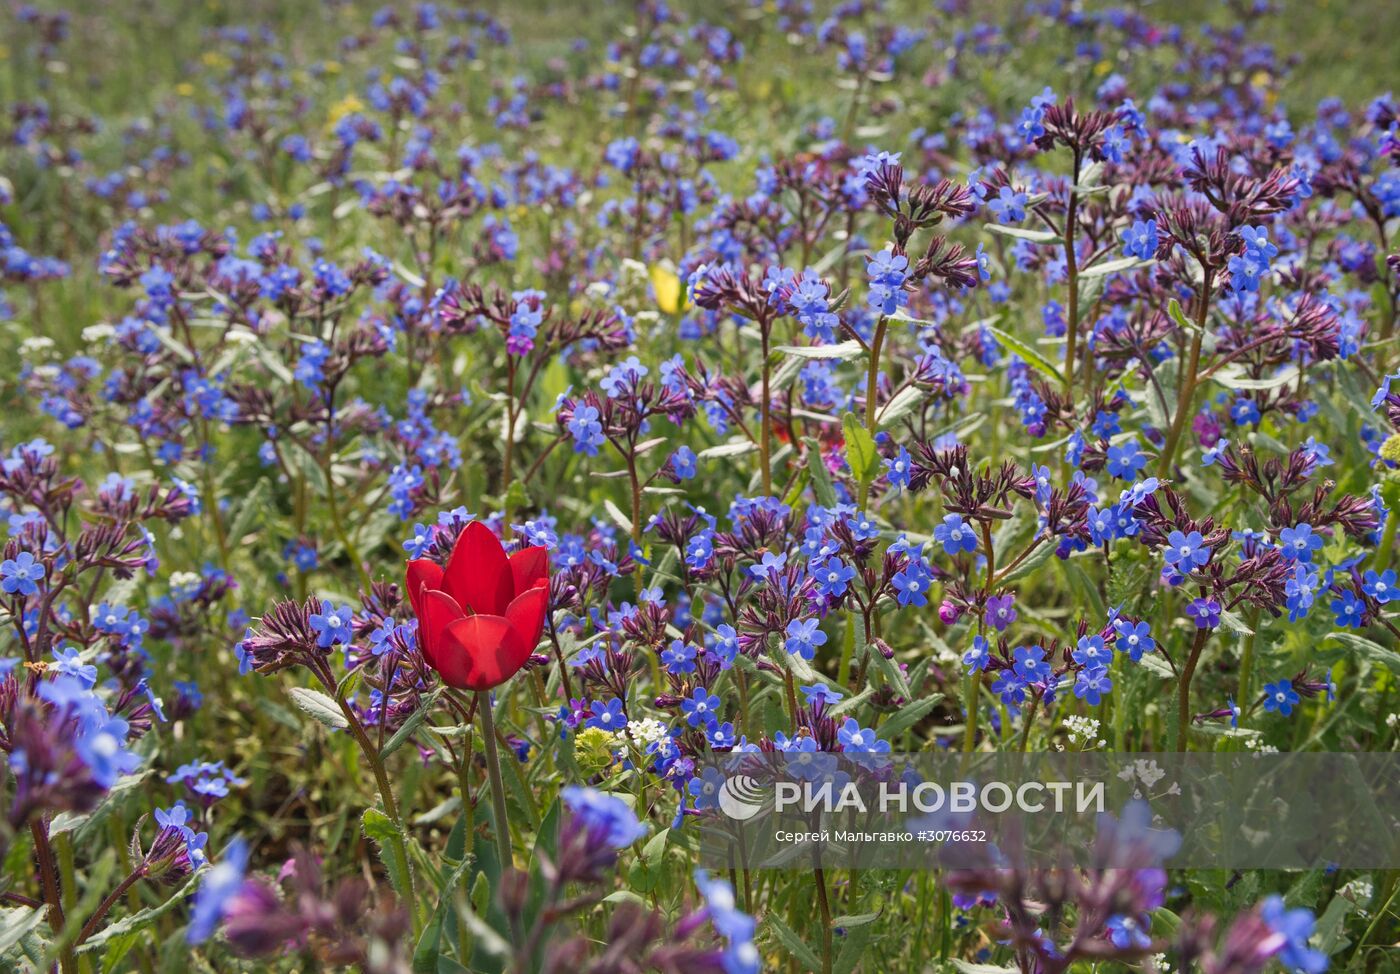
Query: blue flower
[[68, 662], [1134, 638], [1009, 206], [1031, 665], [1091, 684], [1381, 586], [1091, 652], [1205, 613], [1244, 412], [706, 787], [1349, 610], [333, 625], [218, 886], [21, 574], [898, 468], [1186, 552], [679, 657], [737, 928], [1300, 542], [833, 576], [1030, 127], [820, 693], [587, 432], [979, 655], [1130, 932], [956, 535], [911, 585], [769, 565], [610, 717], [1280, 697], [1125, 460], [803, 637], [726, 645], [421, 541], [720, 735], [1296, 927], [1140, 240], [701, 708], [606, 816], [854, 737], [683, 463]]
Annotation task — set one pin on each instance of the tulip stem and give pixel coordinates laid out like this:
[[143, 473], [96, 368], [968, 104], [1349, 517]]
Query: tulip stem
[[493, 772]]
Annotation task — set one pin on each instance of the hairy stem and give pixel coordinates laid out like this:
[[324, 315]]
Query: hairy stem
[[1183, 690]]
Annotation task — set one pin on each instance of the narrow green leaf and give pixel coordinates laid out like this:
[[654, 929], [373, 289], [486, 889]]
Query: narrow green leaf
[[1029, 355], [318, 706]]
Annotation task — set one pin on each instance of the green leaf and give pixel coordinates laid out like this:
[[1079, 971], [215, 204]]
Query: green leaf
[[14, 924], [906, 717], [900, 406], [861, 454], [140, 920], [1113, 267], [615, 512], [1177, 315], [1236, 379], [1021, 233], [802, 953], [1042, 554], [821, 478], [967, 967], [70, 821], [844, 350], [1375, 652], [1029, 355], [410, 725], [317, 705], [390, 841], [734, 448], [853, 949]]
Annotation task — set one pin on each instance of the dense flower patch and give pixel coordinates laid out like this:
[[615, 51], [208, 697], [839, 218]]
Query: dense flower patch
[[429, 433]]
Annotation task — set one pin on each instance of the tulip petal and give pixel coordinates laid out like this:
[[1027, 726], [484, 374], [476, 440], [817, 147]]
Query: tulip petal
[[526, 614], [421, 573], [530, 566], [478, 573], [480, 652], [440, 610]]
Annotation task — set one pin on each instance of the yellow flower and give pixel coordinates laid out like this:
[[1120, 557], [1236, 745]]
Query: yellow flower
[[594, 750], [667, 287], [348, 105]]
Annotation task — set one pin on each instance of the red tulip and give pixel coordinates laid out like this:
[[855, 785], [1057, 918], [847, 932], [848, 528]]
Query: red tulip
[[480, 618]]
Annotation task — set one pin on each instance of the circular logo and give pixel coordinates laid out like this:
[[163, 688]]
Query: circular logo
[[740, 797]]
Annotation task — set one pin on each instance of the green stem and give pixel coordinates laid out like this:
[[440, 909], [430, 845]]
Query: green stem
[[1072, 276], [872, 385], [765, 441], [1247, 662], [826, 920], [970, 704], [44, 853], [1186, 387], [1027, 719], [1386, 549], [91, 926], [338, 522], [493, 772], [1183, 692]]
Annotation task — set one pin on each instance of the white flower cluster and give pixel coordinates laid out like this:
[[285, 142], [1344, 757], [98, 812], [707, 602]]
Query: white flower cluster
[[641, 733], [1085, 729]]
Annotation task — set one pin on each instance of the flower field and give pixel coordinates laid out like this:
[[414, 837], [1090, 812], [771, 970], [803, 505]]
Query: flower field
[[444, 444]]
